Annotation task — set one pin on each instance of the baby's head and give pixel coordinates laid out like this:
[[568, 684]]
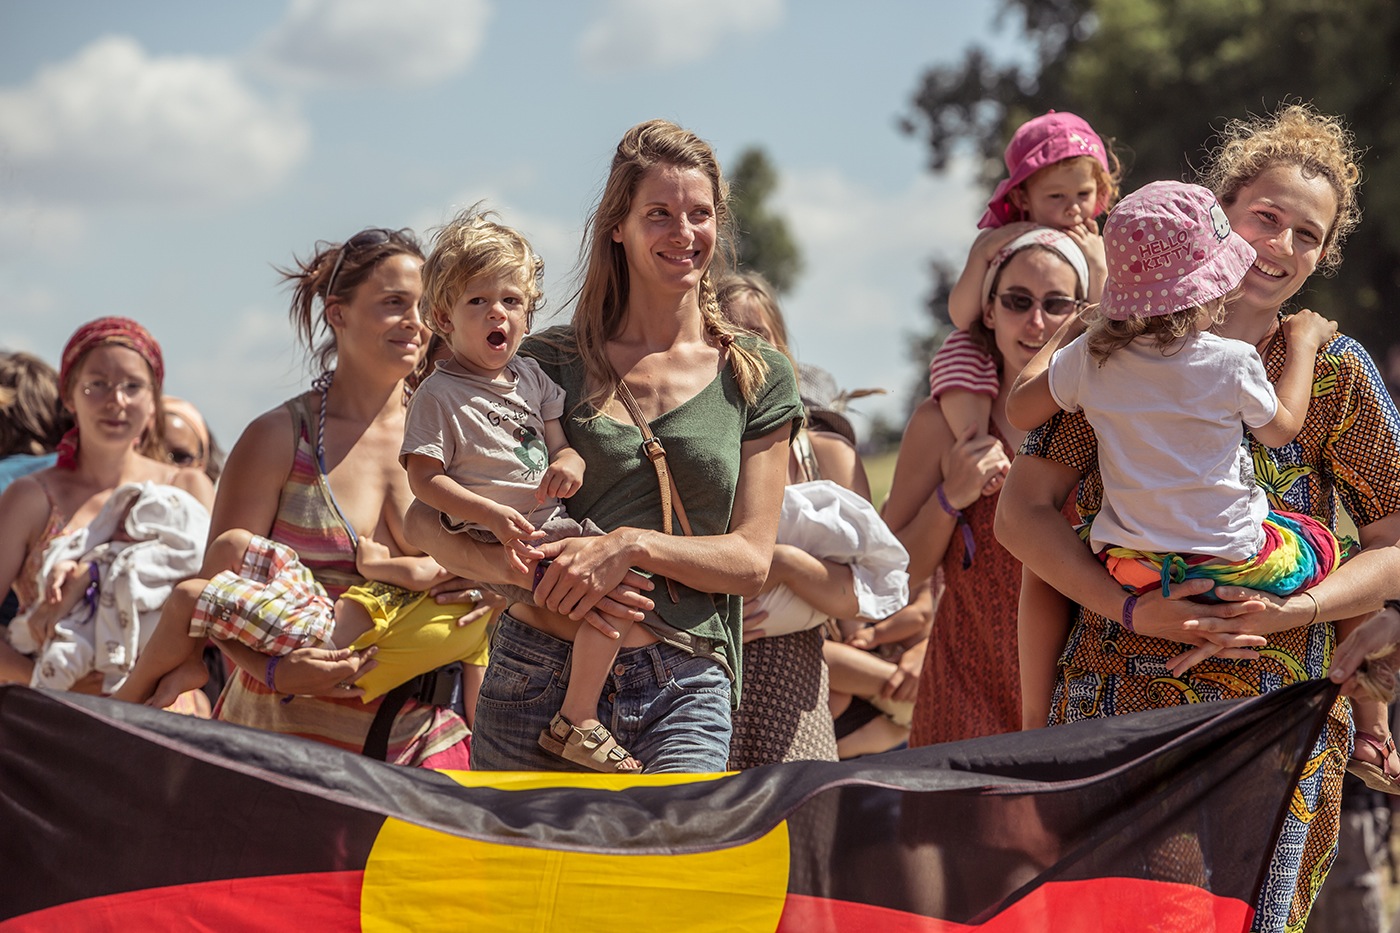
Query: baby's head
[[1172, 262], [481, 286], [1059, 174]]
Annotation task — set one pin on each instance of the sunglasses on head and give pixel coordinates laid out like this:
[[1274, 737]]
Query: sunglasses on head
[[365, 239], [1055, 305]]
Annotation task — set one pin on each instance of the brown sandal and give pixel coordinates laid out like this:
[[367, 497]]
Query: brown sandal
[[1376, 777], [593, 748]]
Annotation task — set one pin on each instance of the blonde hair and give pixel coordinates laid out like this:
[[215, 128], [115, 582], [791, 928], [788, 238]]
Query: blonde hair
[[1320, 145], [602, 296], [759, 290], [1167, 331], [471, 245]]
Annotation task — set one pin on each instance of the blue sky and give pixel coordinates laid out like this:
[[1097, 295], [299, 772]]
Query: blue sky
[[157, 158]]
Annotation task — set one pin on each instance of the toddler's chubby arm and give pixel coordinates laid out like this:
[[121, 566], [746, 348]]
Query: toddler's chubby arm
[[64, 588], [565, 473], [1086, 236], [1305, 334], [1030, 404], [375, 561], [965, 300], [432, 486]]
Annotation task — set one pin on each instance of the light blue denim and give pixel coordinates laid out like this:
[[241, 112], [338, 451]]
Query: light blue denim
[[668, 708]]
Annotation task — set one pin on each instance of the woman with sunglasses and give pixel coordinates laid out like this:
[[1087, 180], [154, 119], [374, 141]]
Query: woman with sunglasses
[[321, 475], [941, 508], [110, 380]]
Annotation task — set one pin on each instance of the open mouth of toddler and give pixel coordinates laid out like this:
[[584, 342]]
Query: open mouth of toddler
[[496, 338]]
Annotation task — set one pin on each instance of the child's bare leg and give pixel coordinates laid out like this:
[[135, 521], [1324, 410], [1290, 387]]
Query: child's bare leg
[[1042, 628], [225, 552], [969, 412], [593, 658], [351, 621], [172, 661]]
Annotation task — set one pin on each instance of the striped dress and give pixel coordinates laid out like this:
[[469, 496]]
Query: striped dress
[[309, 521]]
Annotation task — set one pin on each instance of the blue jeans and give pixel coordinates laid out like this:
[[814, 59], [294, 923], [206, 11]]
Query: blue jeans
[[666, 707]]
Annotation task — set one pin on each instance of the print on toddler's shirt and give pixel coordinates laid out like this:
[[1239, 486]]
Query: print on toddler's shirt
[[532, 451]]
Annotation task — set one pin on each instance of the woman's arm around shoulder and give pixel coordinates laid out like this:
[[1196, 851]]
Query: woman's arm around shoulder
[[254, 474]]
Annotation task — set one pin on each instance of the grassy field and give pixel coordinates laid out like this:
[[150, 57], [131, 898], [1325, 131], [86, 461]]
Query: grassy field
[[880, 469]]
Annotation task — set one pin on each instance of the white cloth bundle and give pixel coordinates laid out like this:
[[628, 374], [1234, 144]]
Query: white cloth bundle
[[167, 527], [830, 522]]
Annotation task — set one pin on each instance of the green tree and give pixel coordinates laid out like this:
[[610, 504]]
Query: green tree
[[765, 244], [1160, 77]]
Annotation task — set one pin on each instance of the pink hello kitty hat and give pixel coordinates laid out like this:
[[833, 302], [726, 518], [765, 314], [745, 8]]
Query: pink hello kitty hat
[[1045, 140], [1169, 247]]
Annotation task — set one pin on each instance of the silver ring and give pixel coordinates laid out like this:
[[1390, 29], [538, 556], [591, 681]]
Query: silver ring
[[474, 595], [344, 686]]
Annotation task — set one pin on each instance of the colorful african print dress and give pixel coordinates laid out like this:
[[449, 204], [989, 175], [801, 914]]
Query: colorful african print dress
[[1348, 449]]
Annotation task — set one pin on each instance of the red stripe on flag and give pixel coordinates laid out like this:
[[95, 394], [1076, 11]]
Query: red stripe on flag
[[1105, 905], [316, 901]]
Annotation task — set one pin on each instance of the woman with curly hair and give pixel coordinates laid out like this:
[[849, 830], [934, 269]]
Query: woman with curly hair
[[1287, 184]]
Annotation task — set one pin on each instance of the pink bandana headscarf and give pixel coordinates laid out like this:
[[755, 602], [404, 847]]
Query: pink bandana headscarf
[[118, 330]]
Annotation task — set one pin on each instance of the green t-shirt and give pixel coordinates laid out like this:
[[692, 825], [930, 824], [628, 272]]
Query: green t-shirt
[[702, 437]]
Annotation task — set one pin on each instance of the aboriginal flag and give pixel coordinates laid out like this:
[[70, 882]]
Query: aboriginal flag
[[118, 817]]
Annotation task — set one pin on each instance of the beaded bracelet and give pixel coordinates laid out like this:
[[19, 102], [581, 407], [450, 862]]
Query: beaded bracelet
[[1128, 605], [969, 545]]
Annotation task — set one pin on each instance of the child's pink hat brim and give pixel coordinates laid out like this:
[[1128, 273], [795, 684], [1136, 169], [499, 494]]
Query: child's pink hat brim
[[1039, 142]]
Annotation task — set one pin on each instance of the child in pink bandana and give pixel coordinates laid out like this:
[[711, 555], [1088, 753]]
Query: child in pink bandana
[[1059, 175]]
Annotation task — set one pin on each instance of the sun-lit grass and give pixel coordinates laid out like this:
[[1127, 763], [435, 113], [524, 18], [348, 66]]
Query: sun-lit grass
[[880, 469]]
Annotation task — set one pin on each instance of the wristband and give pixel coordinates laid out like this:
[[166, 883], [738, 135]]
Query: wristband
[[969, 545], [540, 568], [93, 589], [271, 674], [1316, 610], [1128, 605]]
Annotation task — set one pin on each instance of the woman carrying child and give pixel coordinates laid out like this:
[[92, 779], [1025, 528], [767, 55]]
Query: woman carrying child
[[648, 326], [938, 508], [1287, 185], [110, 380], [1060, 175], [320, 476]]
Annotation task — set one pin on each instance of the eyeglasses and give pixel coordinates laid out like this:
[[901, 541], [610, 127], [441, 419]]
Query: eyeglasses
[[130, 389], [374, 236], [1054, 305]]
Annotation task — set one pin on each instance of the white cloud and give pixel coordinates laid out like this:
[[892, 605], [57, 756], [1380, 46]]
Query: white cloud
[[635, 34], [115, 125], [355, 43], [235, 369], [867, 277]]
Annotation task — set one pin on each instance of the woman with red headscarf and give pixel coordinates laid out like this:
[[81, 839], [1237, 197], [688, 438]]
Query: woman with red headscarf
[[110, 380]]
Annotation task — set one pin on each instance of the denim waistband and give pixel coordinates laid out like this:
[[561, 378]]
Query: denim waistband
[[526, 641]]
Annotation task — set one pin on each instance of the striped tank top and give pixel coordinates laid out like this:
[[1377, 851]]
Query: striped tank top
[[309, 521]]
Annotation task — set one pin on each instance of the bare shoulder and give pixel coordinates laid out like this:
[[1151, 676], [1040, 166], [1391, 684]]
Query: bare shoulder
[[840, 462], [196, 484], [254, 474], [24, 508]]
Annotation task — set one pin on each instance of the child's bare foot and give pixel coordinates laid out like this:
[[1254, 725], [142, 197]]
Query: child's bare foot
[[589, 744], [190, 675]]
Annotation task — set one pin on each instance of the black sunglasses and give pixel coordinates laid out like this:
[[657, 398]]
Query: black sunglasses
[[1054, 305], [365, 239]]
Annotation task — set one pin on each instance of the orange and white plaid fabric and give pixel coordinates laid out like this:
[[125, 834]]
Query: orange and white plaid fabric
[[272, 604]]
